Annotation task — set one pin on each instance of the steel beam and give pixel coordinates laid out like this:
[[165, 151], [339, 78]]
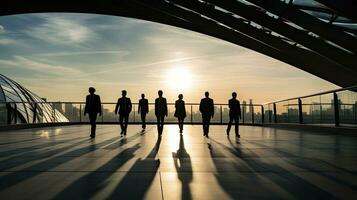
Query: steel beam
[[310, 23], [345, 8]]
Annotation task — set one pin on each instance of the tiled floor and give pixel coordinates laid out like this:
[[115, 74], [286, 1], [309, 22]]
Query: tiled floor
[[265, 163]]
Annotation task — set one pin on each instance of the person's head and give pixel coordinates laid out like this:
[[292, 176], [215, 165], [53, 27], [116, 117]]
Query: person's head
[[142, 96], [206, 94], [180, 96], [160, 93], [234, 95], [123, 93], [91, 90]]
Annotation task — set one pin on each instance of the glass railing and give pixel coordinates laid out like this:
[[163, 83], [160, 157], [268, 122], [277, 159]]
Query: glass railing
[[331, 108], [73, 112]]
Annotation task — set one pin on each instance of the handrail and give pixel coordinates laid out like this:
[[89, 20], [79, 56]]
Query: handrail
[[316, 94]]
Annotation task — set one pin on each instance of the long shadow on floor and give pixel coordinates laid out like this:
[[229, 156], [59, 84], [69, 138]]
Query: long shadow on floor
[[277, 176], [36, 169], [139, 177], [183, 167], [88, 186]]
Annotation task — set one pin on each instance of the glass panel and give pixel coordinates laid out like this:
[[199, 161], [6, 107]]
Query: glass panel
[[3, 114], [348, 108]]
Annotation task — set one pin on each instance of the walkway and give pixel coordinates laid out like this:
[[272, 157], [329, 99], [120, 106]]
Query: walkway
[[266, 163]]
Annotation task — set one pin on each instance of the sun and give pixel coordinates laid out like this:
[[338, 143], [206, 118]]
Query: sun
[[179, 78]]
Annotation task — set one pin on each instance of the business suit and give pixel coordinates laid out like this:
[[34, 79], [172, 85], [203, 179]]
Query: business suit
[[234, 115], [92, 108], [123, 108], [143, 110], [207, 111], [180, 112], [160, 113]]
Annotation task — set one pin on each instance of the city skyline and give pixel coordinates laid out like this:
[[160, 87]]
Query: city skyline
[[59, 56]]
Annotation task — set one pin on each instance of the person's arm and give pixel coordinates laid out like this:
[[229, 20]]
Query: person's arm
[[86, 106], [147, 106], [212, 109], [116, 107], [239, 111], [200, 106], [100, 106], [165, 108], [130, 105]]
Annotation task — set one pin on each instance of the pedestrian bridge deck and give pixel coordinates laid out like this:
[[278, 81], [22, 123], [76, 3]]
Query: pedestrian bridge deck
[[266, 163]]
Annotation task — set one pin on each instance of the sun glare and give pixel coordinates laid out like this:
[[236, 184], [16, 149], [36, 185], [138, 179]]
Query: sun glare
[[179, 78]]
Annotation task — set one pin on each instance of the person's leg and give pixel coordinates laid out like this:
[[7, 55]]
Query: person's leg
[[204, 125], [229, 124], [143, 120], [92, 119], [208, 123], [158, 124], [162, 123], [121, 118], [182, 120], [236, 122], [126, 120]]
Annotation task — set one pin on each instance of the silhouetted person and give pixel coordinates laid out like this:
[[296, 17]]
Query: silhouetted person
[[124, 106], [160, 112], [234, 114], [143, 110], [93, 107], [207, 111], [180, 111]]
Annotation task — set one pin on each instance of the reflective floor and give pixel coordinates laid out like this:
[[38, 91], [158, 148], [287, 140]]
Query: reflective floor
[[266, 163]]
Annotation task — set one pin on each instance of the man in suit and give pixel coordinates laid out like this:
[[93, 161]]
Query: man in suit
[[123, 108], [234, 114], [143, 110], [160, 112], [207, 111], [93, 107]]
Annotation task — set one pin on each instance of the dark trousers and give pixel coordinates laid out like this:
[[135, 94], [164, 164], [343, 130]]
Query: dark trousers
[[236, 123], [160, 124], [206, 120], [93, 122], [180, 123], [143, 120], [123, 120]]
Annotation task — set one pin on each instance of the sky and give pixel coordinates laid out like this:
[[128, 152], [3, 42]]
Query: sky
[[58, 56]]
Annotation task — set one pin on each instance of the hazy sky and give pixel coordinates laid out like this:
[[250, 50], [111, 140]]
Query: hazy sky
[[58, 56]]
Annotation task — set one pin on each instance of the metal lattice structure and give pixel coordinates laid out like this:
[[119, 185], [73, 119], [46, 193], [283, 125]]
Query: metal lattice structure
[[19, 105], [317, 36]]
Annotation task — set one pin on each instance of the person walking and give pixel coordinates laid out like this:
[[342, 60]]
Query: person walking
[[93, 107], [123, 108], [180, 111], [143, 110], [160, 112], [234, 114], [207, 111]]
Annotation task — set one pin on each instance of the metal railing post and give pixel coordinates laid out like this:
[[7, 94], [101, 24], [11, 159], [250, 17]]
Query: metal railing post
[[252, 109], [80, 112], [191, 115], [102, 113], [336, 109], [134, 112], [221, 114], [274, 112], [300, 111], [262, 108]]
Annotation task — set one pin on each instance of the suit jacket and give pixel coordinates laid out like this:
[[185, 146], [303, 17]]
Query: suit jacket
[[143, 106], [207, 107], [93, 104], [160, 106], [124, 106], [234, 108], [180, 111]]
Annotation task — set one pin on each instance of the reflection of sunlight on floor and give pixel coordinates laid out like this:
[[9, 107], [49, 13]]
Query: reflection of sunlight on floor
[[44, 134], [173, 137]]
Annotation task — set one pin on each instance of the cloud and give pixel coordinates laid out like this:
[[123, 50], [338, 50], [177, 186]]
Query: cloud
[[7, 41], [61, 30], [78, 53], [40, 67]]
